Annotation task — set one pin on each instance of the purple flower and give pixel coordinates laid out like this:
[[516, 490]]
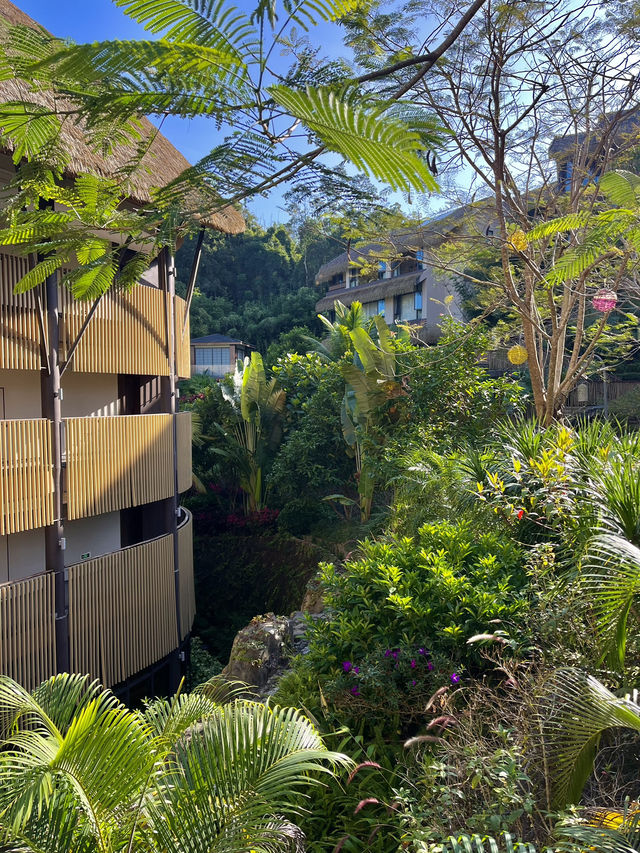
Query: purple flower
[[395, 653], [387, 653], [429, 666], [413, 664], [455, 678], [422, 651], [346, 665], [413, 682], [356, 669], [354, 691]]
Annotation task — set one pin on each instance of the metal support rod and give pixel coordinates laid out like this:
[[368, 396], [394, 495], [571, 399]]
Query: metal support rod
[[195, 266], [170, 286], [54, 533], [83, 329]]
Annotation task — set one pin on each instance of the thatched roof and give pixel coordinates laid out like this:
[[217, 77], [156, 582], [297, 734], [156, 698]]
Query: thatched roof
[[370, 292], [161, 164], [618, 127], [427, 237]]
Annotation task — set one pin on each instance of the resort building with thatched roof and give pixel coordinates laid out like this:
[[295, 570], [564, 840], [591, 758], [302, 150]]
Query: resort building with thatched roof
[[96, 566], [403, 288]]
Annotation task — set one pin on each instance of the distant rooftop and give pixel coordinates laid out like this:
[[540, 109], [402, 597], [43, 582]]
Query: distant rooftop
[[217, 339]]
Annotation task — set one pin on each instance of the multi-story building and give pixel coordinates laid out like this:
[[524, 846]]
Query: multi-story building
[[405, 289], [96, 568]]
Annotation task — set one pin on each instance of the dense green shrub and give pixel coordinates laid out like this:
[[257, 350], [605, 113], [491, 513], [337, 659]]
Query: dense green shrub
[[400, 615]]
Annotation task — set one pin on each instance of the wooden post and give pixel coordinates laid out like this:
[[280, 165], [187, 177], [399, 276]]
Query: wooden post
[[51, 395]]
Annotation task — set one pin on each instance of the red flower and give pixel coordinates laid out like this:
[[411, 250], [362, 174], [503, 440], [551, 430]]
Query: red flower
[[520, 514]]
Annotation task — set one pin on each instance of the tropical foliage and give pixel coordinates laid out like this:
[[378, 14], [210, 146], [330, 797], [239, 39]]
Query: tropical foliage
[[80, 771], [202, 60]]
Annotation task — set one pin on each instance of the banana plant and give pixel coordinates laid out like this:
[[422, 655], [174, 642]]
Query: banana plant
[[370, 380], [251, 444]]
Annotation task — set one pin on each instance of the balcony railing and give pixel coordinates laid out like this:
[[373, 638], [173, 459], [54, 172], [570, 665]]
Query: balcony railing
[[187, 588], [26, 482], [126, 334], [117, 462], [27, 630], [122, 613], [184, 448], [111, 463]]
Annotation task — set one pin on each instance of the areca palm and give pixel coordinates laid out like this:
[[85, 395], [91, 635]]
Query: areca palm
[[81, 772], [206, 58]]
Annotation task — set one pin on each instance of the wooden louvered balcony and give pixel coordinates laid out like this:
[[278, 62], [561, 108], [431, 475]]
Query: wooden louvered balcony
[[122, 613], [127, 333], [118, 462], [111, 463], [26, 478]]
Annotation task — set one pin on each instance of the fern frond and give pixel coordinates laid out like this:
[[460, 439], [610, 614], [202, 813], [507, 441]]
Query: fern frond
[[212, 23], [622, 188], [376, 144]]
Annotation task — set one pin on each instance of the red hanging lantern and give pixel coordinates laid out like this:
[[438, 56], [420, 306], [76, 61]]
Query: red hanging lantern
[[605, 300]]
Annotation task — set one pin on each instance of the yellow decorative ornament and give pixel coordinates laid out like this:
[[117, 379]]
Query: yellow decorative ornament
[[519, 240], [517, 354]]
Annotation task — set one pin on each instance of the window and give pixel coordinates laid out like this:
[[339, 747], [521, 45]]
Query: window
[[417, 304], [565, 176], [419, 259], [370, 309], [407, 309], [395, 269], [382, 269], [353, 278], [381, 307], [213, 355]]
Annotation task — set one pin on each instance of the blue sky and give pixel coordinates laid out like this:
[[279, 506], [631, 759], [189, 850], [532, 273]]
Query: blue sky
[[98, 20]]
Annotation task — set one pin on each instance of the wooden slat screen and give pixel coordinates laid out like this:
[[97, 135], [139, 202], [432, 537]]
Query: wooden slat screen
[[19, 327], [26, 478], [122, 611], [117, 462], [127, 333], [187, 589], [184, 435], [183, 349], [27, 630]]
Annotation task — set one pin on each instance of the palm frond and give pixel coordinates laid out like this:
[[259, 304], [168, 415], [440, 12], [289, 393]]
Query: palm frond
[[611, 580], [256, 759], [378, 145], [487, 844], [575, 709]]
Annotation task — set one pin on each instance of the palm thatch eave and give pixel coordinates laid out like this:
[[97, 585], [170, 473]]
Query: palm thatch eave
[[161, 164]]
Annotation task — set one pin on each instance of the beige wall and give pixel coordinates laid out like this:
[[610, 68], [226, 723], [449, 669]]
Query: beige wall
[[95, 536], [89, 394], [21, 394], [21, 555]]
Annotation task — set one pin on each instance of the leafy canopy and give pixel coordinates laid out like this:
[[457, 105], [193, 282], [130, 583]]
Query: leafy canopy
[[209, 59]]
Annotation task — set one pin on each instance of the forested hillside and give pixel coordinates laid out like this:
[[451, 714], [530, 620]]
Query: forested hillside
[[259, 284]]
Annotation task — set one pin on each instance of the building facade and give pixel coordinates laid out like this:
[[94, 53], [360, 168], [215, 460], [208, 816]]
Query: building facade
[[216, 355], [406, 289], [96, 563]]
